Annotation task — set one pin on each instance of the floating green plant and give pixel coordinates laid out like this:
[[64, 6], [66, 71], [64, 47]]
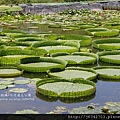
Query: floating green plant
[[107, 43], [18, 90], [55, 46], [72, 73], [77, 57], [108, 72], [64, 88], [10, 72], [102, 32], [110, 56], [41, 64]]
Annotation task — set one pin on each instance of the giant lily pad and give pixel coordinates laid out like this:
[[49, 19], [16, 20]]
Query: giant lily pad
[[77, 58], [110, 56], [102, 32], [64, 88], [36, 64], [72, 73], [108, 72], [107, 43], [9, 72], [57, 46]]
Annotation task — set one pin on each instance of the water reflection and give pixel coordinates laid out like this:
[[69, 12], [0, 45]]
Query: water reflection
[[64, 100]]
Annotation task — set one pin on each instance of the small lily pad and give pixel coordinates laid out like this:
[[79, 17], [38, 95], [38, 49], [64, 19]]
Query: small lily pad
[[11, 86], [2, 87], [18, 90], [34, 80], [26, 111], [6, 82], [9, 79], [22, 81]]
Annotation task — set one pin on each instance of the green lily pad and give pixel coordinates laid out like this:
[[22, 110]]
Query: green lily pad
[[26, 111], [9, 72], [112, 72], [22, 82], [74, 73], [9, 79], [2, 87], [10, 86], [37, 64], [61, 48], [18, 90], [6, 82], [64, 88], [78, 58], [34, 80]]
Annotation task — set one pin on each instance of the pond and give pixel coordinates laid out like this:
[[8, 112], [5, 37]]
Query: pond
[[106, 90]]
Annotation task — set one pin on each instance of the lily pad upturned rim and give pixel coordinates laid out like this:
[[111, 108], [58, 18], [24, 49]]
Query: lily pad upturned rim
[[101, 43], [109, 60], [75, 68], [60, 64], [93, 56], [65, 94], [105, 76]]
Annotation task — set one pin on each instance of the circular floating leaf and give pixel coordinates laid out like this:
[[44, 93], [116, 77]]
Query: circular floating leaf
[[107, 43], [26, 111], [112, 72], [11, 86], [77, 58], [6, 82], [102, 32], [18, 90], [72, 73], [22, 82], [64, 88], [56, 46], [34, 80], [110, 56], [4, 72], [2, 87], [9, 79], [36, 64]]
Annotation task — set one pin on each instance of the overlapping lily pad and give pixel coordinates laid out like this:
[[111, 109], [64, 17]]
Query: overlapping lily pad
[[77, 57], [37, 64], [64, 88], [82, 39], [72, 73], [55, 46]]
